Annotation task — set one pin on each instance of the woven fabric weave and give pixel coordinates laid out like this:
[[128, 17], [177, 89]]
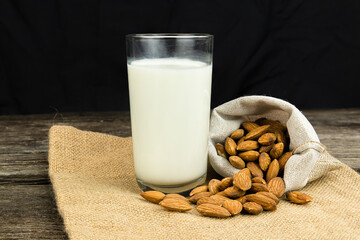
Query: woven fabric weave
[[98, 198]]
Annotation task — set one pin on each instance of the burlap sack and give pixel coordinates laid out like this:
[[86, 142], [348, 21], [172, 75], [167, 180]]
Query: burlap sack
[[98, 198], [310, 159]]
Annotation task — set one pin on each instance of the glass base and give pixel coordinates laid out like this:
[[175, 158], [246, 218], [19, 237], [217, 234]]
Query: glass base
[[183, 189]]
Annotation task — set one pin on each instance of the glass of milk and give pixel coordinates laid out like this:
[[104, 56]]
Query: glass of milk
[[170, 86]]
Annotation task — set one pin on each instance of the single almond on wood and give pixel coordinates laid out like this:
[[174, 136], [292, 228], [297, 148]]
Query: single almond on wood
[[267, 139], [212, 210], [233, 192], [175, 195], [266, 202], [298, 197], [259, 187], [153, 196], [199, 195], [277, 150], [220, 149], [255, 169], [264, 161], [234, 207], [175, 204], [249, 156], [270, 195], [283, 160], [266, 148], [273, 170], [230, 146], [249, 126], [214, 186], [237, 134], [219, 199], [258, 180], [198, 189], [208, 200], [252, 208], [277, 186], [247, 145], [242, 180], [225, 183], [257, 132], [237, 162]]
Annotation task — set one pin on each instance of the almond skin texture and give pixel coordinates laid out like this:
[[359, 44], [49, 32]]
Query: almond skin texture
[[197, 196], [258, 180], [255, 169], [247, 145], [237, 134], [233, 192], [280, 136], [266, 148], [225, 183], [283, 160], [273, 170], [242, 180], [249, 156], [257, 132], [249, 126], [230, 146], [277, 150], [270, 195], [234, 207], [220, 149], [247, 171], [237, 162], [208, 200], [242, 199], [241, 140], [198, 189], [267, 139], [298, 197], [212, 210], [259, 187], [175, 195], [175, 204], [267, 203], [277, 186], [219, 199], [252, 208], [214, 186], [264, 161], [153, 196]]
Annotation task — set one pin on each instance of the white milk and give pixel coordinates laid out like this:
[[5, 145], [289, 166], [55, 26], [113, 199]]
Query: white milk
[[170, 110]]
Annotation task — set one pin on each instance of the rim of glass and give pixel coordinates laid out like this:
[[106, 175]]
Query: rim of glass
[[169, 35]]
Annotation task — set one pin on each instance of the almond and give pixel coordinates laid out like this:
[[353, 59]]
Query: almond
[[198, 189], [283, 160], [225, 183], [266, 202], [212, 210], [249, 126], [277, 150], [241, 140], [280, 136], [220, 149], [175, 204], [255, 169], [298, 197], [242, 199], [247, 145], [153, 196], [267, 139], [234, 207], [237, 162], [233, 192], [266, 148], [247, 171], [275, 124], [237, 134], [219, 199], [264, 161], [277, 186], [257, 132], [252, 208], [270, 195], [249, 156], [242, 180], [258, 180], [230, 146], [259, 187], [199, 195], [175, 195], [273, 170], [208, 200], [214, 186]]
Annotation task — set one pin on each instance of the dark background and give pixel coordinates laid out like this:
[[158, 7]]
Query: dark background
[[70, 55]]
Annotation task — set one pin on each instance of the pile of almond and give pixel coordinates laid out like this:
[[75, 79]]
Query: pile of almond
[[260, 151]]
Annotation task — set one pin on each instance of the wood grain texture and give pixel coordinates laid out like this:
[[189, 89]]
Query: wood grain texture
[[27, 207]]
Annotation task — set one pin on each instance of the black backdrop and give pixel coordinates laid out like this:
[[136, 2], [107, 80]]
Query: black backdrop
[[70, 55]]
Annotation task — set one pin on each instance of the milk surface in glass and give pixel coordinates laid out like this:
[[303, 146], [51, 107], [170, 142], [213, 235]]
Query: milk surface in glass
[[170, 110]]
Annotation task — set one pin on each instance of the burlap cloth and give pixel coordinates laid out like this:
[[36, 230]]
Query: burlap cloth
[[97, 196]]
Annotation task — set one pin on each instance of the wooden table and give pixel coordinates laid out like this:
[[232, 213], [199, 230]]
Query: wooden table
[[27, 207]]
